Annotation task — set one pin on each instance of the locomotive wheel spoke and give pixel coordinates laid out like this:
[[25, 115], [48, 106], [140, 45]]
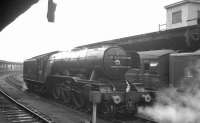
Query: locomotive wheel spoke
[[66, 93], [106, 110], [43, 90], [78, 100], [62, 92], [56, 92], [66, 96]]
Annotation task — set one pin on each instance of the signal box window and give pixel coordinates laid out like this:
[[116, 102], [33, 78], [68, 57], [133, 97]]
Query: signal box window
[[176, 17]]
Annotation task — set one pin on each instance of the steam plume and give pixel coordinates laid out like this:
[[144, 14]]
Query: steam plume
[[178, 105]]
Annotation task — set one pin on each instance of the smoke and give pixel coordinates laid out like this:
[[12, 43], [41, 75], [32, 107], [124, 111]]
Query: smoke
[[178, 105], [24, 86]]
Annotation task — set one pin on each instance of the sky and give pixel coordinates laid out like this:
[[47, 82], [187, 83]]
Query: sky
[[78, 22]]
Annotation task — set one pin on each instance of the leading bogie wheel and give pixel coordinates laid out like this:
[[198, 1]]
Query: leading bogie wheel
[[78, 100], [56, 92], [66, 93]]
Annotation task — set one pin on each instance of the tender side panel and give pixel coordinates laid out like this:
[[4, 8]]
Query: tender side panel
[[30, 70]]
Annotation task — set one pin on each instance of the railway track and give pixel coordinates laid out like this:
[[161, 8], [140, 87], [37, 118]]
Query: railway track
[[12, 80], [15, 112], [134, 119], [145, 119]]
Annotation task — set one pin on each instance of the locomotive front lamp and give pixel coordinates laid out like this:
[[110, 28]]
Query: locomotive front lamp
[[116, 99], [147, 97]]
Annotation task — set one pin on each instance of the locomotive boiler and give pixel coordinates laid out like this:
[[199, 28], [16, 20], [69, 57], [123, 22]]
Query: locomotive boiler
[[111, 62], [72, 76]]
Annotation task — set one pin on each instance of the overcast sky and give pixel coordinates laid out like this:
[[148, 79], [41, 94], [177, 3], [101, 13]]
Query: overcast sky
[[79, 22]]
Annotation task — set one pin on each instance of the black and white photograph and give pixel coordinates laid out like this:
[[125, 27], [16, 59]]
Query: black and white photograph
[[100, 61]]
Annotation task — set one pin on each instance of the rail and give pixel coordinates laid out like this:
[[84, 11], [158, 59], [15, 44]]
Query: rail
[[27, 114]]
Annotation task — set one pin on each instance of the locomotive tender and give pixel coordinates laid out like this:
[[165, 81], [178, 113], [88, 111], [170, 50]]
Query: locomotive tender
[[72, 76]]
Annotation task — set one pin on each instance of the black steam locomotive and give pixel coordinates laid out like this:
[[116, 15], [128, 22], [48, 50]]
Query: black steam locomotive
[[73, 76]]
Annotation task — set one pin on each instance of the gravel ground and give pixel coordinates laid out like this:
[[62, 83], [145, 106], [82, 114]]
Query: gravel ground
[[57, 112]]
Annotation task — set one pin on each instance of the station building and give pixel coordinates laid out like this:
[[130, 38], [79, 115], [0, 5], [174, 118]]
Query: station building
[[183, 13]]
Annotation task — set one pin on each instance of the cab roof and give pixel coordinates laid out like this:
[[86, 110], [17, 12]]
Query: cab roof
[[154, 54], [187, 54]]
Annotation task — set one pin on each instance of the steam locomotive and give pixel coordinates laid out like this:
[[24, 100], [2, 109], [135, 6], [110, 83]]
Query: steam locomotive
[[87, 75]]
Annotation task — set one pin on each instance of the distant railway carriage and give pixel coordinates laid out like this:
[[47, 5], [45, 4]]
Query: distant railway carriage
[[184, 68], [166, 68], [73, 76]]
